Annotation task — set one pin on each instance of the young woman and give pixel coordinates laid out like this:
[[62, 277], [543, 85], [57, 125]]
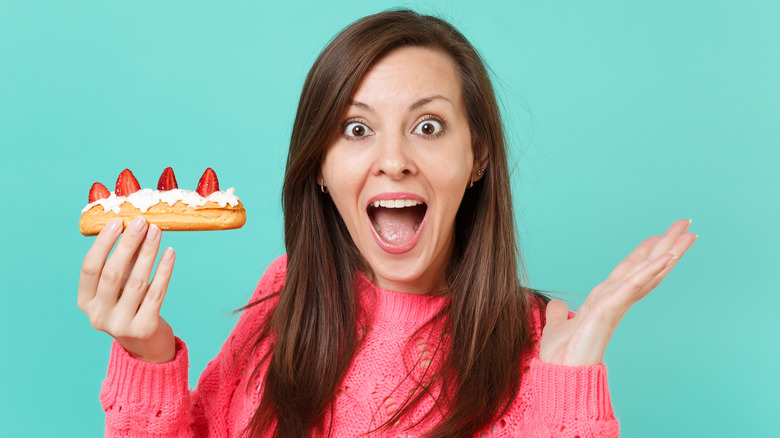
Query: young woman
[[398, 309]]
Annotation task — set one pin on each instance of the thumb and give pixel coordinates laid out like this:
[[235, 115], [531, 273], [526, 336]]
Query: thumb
[[556, 312]]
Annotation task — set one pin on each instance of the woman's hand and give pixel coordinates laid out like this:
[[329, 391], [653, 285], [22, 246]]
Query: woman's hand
[[117, 296], [583, 339]]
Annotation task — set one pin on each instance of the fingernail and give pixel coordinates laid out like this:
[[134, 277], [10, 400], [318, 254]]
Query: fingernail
[[152, 233], [168, 254], [671, 260], [690, 221], [137, 225], [114, 226]]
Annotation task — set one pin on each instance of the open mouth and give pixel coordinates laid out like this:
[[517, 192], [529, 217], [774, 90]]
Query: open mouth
[[397, 221]]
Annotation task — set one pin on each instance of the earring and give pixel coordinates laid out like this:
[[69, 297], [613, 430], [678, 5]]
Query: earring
[[323, 189], [480, 172]]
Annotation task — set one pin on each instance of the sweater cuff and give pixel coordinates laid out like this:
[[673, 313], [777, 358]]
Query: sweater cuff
[[569, 394], [137, 394]]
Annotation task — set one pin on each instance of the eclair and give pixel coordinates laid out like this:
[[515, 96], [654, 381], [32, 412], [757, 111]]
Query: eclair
[[168, 207]]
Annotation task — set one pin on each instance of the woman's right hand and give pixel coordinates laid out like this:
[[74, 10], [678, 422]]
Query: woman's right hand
[[117, 296]]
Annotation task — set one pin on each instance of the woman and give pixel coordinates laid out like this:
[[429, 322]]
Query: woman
[[398, 308]]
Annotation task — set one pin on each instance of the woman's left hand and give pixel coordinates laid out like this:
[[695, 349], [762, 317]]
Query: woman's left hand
[[583, 339]]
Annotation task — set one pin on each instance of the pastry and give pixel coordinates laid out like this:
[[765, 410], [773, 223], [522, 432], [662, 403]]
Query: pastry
[[168, 207]]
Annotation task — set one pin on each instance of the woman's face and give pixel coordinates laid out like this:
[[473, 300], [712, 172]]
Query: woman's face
[[399, 167]]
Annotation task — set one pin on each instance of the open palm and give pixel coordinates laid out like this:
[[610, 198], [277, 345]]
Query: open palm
[[583, 339]]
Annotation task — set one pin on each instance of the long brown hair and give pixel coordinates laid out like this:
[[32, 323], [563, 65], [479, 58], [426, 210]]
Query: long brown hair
[[316, 321]]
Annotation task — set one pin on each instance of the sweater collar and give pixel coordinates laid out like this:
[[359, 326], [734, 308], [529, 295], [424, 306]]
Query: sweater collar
[[397, 306]]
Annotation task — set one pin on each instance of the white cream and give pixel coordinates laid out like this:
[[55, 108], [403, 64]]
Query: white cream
[[145, 198]]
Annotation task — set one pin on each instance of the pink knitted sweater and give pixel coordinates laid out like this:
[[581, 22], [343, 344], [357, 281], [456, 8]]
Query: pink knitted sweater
[[142, 399]]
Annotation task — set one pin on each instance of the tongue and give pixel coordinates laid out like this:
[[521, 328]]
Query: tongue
[[396, 225]]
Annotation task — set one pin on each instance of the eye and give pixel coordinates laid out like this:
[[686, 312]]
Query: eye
[[430, 127], [356, 130]]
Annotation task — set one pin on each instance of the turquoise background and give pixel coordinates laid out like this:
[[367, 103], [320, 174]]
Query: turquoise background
[[622, 117]]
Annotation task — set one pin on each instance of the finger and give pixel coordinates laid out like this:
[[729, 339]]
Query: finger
[[683, 244], [556, 312], [127, 274], [638, 284], [662, 245], [94, 261], [119, 261], [132, 262], [681, 247], [138, 277], [670, 236], [638, 255], [152, 302]]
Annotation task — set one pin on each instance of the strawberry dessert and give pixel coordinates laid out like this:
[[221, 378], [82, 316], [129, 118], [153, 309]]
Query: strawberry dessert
[[168, 207]]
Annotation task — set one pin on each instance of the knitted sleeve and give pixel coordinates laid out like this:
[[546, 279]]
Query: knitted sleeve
[[143, 399], [573, 401]]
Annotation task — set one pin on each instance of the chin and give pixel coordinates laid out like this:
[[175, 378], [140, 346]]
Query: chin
[[406, 273]]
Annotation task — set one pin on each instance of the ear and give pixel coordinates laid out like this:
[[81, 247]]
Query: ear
[[480, 162], [321, 183]]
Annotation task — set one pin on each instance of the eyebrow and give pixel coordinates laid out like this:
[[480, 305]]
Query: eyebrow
[[422, 102], [426, 100]]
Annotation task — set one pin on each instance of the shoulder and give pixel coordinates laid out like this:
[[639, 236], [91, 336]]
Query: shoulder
[[265, 295], [272, 280], [261, 305]]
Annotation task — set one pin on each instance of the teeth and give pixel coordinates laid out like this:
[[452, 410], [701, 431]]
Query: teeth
[[396, 203]]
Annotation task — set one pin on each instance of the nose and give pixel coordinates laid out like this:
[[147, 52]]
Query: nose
[[394, 157]]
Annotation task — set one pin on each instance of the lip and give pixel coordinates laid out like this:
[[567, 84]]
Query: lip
[[408, 246]]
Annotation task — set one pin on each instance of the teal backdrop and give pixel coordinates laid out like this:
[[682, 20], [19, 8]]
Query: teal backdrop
[[622, 117]]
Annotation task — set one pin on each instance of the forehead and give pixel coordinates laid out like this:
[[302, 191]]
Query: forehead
[[408, 73]]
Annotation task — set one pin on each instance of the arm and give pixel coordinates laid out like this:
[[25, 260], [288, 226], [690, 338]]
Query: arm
[[144, 399], [568, 378], [568, 401], [146, 390], [574, 400], [583, 339]]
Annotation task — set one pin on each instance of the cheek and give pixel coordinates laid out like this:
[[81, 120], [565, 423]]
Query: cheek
[[343, 185], [328, 163], [449, 188], [332, 169], [344, 201], [450, 183], [452, 176]]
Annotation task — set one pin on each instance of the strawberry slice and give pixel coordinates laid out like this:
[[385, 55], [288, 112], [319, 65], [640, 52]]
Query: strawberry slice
[[98, 191], [126, 183], [167, 180], [208, 183]]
